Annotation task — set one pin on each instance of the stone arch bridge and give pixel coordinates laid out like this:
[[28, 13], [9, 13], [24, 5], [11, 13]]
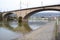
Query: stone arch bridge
[[25, 13]]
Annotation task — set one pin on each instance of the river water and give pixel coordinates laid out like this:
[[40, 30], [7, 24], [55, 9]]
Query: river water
[[8, 33]]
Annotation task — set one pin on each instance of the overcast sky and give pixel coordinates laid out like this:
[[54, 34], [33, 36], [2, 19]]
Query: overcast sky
[[8, 5]]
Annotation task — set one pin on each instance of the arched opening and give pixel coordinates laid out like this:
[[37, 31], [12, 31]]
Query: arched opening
[[11, 19], [16, 24], [39, 18], [10, 16]]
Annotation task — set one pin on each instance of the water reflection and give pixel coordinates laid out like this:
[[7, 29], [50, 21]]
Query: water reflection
[[0, 23], [37, 24], [13, 24], [6, 34], [12, 30], [15, 30]]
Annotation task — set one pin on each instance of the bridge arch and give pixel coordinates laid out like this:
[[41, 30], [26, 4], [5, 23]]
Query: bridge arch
[[9, 15], [33, 12]]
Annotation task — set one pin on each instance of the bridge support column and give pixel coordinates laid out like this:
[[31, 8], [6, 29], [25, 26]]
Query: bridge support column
[[20, 21]]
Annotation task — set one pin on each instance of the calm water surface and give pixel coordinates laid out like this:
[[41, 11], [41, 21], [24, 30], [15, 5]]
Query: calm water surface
[[10, 34]]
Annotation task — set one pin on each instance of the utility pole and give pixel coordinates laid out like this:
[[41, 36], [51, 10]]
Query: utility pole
[[20, 8], [41, 3]]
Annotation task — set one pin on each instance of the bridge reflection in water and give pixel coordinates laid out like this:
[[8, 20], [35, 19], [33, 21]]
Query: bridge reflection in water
[[12, 28], [16, 26]]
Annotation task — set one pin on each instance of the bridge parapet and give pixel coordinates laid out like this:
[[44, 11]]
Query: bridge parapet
[[25, 13]]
